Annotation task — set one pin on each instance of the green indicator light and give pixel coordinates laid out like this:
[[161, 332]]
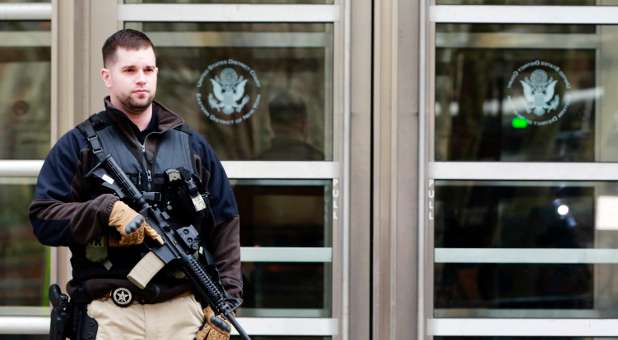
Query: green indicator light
[[519, 123]]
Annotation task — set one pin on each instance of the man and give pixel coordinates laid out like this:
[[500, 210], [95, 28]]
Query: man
[[72, 209], [290, 124]]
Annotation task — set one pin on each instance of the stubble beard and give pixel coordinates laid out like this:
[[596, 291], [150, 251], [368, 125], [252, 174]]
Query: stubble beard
[[136, 107]]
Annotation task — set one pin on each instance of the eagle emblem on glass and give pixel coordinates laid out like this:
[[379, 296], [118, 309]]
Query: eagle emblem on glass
[[228, 92], [228, 89], [543, 97], [539, 91]]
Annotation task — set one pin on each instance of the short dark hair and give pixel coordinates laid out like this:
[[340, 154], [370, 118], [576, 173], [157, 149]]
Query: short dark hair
[[126, 38]]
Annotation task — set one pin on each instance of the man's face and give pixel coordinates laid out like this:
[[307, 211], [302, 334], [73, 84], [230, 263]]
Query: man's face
[[131, 79]]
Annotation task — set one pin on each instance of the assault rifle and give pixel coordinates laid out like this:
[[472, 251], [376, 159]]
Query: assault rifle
[[178, 246]]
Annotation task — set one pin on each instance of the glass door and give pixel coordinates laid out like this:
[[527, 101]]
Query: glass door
[[25, 136], [280, 140], [522, 162]]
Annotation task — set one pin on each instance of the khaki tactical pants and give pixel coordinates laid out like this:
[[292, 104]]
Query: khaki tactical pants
[[179, 318]]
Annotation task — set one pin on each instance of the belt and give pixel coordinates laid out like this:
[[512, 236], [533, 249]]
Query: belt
[[125, 291], [124, 297]]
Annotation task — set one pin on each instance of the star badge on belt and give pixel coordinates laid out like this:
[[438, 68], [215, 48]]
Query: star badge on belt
[[122, 297]]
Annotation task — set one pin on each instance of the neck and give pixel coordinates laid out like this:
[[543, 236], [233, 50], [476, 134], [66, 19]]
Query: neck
[[141, 119]]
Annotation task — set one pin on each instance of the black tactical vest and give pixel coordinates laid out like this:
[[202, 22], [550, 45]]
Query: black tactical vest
[[145, 170]]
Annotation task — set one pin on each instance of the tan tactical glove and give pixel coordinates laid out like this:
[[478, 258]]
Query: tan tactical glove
[[210, 331], [124, 219]]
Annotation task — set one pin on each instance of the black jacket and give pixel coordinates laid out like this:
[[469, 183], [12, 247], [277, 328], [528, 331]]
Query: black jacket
[[64, 214]]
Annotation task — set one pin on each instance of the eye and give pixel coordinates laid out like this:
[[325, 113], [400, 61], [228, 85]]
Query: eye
[[130, 70]]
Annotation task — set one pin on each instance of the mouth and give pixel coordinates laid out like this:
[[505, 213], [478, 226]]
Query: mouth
[[140, 91]]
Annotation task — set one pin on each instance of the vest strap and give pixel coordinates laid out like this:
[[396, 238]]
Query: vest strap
[[87, 129]]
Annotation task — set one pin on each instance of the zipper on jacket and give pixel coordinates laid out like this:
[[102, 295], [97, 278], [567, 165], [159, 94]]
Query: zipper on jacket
[[145, 163]]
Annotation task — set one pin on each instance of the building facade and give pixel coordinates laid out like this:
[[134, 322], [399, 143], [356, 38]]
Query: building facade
[[404, 169]]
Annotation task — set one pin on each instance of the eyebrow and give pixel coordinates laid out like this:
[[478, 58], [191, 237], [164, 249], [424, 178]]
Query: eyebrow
[[128, 66], [134, 66]]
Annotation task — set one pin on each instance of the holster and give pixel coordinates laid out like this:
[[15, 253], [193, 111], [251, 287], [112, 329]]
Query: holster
[[61, 321]]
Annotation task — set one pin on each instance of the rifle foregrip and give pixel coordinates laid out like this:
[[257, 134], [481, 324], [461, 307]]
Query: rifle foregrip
[[213, 295]]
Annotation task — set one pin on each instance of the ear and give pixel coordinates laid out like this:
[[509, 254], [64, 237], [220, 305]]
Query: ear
[[106, 76]]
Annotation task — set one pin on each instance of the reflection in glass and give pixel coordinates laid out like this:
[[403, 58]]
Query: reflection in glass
[[25, 95], [519, 338], [513, 216], [467, 30], [285, 213], [231, 1], [528, 2], [481, 98], [24, 336], [285, 337], [295, 289], [26, 28], [224, 78], [512, 92], [24, 262], [514, 286], [516, 214], [502, 96], [290, 126], [20, 1]]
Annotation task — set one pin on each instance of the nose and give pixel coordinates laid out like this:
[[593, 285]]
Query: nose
[[141, 77]]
